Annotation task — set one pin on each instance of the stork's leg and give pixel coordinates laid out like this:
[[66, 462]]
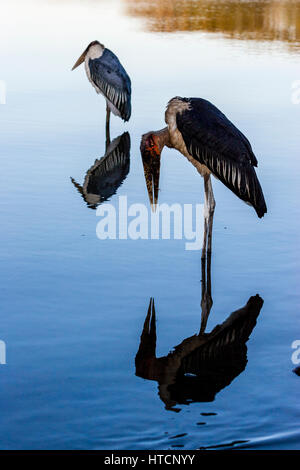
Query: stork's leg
[[211, 210], [209, 207], [203, 255], [107, 126]]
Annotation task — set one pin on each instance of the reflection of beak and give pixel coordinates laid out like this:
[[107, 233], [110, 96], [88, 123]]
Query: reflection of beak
[[80, 60], [151, 163], [147, 349], [77, 186]]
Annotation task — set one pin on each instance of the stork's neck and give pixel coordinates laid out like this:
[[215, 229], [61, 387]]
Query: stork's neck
[[94, 52], [162, 138]]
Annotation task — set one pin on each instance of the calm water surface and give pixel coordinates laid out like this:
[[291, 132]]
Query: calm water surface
[[73, 307]]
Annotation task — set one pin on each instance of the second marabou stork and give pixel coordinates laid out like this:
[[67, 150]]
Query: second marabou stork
[[108, 77], [204, 135]]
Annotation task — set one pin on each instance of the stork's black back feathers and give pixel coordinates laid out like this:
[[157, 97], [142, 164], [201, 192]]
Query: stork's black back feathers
[[216, 143], [111, 78]]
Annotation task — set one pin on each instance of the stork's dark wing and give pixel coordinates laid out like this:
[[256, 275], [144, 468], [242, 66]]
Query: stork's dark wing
[[216, 143], [111, 78]]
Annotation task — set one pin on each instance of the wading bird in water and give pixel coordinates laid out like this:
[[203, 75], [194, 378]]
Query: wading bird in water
[[108, 77], [203, 134]]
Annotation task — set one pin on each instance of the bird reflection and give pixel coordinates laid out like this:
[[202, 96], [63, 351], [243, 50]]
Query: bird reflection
[[106, 175], [201, 365]]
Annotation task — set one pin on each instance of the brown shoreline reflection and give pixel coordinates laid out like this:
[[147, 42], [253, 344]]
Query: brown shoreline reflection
[[272, 20]]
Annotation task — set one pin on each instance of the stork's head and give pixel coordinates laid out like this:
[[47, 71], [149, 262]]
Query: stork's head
[[150, 147], [150, 151], [94, 50]]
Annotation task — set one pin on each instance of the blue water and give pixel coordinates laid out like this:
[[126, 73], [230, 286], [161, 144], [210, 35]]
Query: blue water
[[73, 306]]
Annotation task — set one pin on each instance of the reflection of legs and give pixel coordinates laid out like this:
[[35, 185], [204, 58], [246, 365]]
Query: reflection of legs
[[107, 126], [209, 208], [206, 299]]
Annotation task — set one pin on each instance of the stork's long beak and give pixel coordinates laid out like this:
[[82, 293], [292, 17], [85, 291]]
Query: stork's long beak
[[151, 162], [80, 60]]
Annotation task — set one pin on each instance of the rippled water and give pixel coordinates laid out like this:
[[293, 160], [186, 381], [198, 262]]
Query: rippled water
[[73, 307]]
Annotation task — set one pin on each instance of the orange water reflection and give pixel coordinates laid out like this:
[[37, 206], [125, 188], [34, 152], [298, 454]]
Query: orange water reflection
[[260, 20]]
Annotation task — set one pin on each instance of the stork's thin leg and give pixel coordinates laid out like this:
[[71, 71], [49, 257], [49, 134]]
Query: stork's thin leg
[[107, 126], [209, 207], [211, 210], [203, 255]]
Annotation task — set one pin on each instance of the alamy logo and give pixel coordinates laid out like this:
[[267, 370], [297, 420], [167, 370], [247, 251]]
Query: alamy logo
[[2, 92], [295, 97], [137, 221], [2, 352], [296, 354]]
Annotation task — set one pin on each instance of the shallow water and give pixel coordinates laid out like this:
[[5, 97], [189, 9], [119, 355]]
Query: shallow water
[[73, 306]]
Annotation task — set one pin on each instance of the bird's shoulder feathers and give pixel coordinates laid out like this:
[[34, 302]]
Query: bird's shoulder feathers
[[212, 139]]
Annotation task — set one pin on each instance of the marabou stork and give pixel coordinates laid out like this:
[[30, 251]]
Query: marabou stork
[[203, 134], [108, 77]]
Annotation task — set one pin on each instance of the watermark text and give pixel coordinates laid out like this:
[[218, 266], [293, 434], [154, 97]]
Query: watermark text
[[138, 221], [295, 96], [296, 354], [2, 352], [2, 92]]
